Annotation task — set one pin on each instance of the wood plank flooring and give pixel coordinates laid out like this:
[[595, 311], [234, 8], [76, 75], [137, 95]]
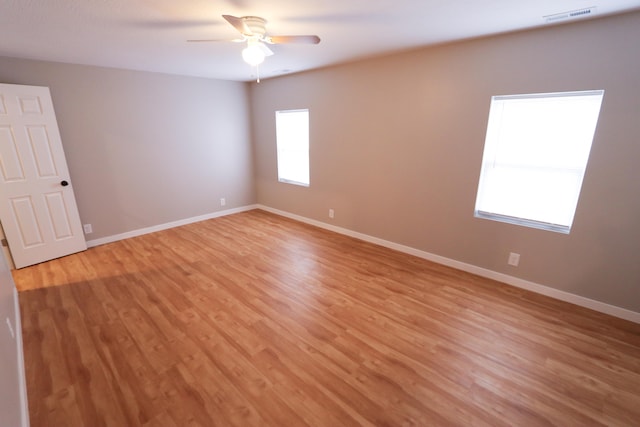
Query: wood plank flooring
[[256, 320]]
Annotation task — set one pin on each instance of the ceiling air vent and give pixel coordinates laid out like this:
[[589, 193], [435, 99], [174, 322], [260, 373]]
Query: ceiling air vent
[[572, 14]]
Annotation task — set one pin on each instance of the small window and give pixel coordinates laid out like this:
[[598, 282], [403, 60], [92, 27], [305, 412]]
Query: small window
[[292, 140], [535, 155]]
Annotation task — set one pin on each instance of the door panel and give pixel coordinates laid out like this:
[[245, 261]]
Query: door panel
[[58, 214], [27, 222], [39, 214], [30, 105], [11, 164], [41, 151]]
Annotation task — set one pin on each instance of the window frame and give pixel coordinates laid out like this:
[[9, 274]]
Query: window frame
[[279, 150], [491, 145]]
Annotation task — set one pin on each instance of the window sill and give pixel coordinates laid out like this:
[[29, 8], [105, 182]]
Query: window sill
[[563, 229]]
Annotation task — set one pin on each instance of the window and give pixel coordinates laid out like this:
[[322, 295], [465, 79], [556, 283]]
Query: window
[[535, 154], [292, 140]]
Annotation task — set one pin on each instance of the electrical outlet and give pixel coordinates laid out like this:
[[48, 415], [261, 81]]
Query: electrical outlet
[[87, 229], [222, 201], [331, 213], [514, 259]]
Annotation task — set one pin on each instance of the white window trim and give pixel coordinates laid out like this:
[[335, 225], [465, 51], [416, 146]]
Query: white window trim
[[523, 221], [290, 181]]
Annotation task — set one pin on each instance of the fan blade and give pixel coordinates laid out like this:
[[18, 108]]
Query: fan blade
[[265, 49], [292, 39], [238, 24]]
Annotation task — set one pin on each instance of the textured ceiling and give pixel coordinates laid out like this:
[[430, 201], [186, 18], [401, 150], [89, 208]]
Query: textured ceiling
[[151, 35]]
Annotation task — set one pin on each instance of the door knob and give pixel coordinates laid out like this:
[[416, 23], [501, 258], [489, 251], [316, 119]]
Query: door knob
[[64, 183]]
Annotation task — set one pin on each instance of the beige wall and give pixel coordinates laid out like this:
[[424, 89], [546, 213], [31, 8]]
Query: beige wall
[[144, 148], [396, 145]]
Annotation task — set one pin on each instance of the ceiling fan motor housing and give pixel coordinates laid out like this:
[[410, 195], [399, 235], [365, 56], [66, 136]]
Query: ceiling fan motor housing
[[256, 25]]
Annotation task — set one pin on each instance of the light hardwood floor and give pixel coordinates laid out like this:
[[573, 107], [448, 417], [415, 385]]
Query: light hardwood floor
[[256, 320]]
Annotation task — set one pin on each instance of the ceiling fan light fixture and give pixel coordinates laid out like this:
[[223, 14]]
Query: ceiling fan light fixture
[[253, 54], [252, 29]]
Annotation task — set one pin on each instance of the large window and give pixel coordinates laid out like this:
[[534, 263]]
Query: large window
[[535, 154], [292, 139]]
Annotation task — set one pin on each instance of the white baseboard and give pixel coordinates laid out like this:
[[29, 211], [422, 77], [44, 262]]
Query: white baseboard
[[24, 403], [165, 226], [501, 277]]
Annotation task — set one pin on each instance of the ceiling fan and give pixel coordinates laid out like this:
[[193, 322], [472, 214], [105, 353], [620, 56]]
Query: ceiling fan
[[253, 30]]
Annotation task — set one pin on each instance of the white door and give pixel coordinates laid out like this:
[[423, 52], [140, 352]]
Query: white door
[[37, 207]]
